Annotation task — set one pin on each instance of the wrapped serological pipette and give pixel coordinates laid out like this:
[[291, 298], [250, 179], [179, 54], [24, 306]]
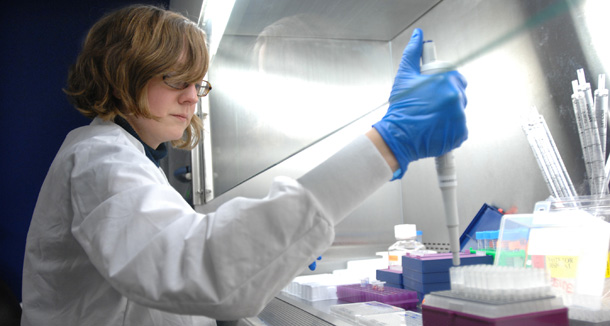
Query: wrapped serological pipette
[[600, 103], [549, 160], [582, 102]]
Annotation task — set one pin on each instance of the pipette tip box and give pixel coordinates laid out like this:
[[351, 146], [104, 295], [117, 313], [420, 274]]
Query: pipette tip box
[[449, 308], [396, 286], [440, 277], [402, 298], [390, 276], [430, 272], [352, 311], [426, 288], [435, 263], [403, 318]]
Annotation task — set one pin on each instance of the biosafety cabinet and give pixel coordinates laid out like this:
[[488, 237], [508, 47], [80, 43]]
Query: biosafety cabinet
[[296, 80]]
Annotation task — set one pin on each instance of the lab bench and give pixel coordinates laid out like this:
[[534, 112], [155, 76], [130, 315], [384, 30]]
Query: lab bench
[[286, 309]]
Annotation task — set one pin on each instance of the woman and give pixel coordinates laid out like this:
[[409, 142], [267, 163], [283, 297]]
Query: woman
[[112, 243]]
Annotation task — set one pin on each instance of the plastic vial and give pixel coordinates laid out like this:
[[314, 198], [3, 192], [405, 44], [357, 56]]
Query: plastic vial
[[493, 239], [481, 240], [406, 237], [364, 282], [420, 236]]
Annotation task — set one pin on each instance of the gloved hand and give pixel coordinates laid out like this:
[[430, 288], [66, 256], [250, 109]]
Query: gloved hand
[[426, 113], [312, 266]]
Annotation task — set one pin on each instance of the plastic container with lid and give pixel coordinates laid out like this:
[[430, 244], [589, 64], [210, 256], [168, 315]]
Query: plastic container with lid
[[406, 236]]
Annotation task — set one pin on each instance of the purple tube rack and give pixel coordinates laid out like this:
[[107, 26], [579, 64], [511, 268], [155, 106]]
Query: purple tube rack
[[396, 297]]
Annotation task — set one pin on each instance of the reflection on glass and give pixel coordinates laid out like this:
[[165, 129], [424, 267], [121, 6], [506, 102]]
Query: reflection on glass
[[286, 88]]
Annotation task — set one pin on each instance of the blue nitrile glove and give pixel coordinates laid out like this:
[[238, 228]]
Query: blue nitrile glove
[[426, 113], [312, 266]]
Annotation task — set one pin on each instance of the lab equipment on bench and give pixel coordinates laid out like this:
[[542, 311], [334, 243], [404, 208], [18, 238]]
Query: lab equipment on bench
[[488, 218], [573, 281], [315, 287], [406, 236], [403, 318], [391, 277], [487, 240], [375, 291], [352, 311], [495, 295], [426, 273], [571, 244], [481, 237], [488, 282]]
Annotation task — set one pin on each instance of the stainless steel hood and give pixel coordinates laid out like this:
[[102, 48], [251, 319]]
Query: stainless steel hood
[[380, 20], [364, 27], [283, 65]]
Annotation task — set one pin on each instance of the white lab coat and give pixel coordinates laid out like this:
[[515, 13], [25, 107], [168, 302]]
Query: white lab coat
[[112, 243]]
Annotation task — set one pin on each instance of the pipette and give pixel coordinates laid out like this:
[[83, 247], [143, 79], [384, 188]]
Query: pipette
[[547, 155], [600, 103], [582, 101], [601, 108], [445, 165]]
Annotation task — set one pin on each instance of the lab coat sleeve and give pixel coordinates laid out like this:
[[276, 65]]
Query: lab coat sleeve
[[154, 249], [345, 180]]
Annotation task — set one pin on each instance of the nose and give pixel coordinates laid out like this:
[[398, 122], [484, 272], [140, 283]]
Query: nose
[[189, 95]]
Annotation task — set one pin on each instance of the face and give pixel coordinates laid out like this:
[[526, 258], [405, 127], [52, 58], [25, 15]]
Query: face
[[173, 107]]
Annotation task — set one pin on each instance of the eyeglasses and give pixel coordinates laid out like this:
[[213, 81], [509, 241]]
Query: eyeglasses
[[202, 89]]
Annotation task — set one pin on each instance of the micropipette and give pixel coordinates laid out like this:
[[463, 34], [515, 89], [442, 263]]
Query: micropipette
[[445, 165]]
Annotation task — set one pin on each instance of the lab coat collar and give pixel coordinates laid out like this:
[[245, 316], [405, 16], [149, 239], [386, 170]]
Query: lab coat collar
[[155, 155]]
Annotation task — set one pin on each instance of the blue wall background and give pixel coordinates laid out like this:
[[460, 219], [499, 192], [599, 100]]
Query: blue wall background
[[39, 41]]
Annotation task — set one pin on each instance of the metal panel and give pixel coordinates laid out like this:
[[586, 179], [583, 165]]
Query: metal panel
[[289, 72], [297, 92], [380, 20], [290, 310]]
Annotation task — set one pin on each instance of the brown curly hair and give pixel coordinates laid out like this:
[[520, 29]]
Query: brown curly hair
[[123, 51]]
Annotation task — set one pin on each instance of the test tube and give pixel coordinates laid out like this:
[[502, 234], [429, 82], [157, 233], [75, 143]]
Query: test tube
[[493, 239], [480, 235]]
